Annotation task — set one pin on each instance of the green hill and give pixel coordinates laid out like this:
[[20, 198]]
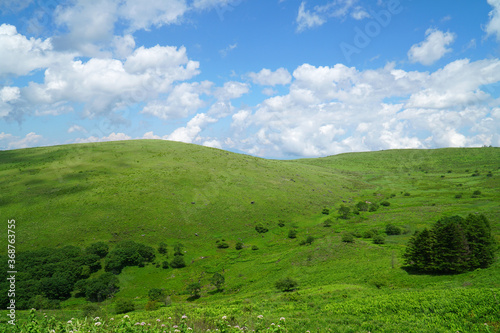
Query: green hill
[[158, 191]]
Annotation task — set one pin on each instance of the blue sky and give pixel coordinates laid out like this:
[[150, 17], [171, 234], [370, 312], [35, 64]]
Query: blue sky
[[274, 78]]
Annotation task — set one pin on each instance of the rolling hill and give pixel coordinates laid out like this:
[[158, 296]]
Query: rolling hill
[[158, 191]]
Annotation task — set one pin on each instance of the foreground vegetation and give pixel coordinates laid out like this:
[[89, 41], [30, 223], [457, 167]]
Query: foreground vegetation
[[320, 242]]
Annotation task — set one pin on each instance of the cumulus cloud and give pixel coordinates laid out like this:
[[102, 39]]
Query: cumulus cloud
[[21, 55], [493, 25], [76, 128], [268, 78], [105, 85], [148, 13], [433, 48], [190, 133], [181, 102], [112, 137], [31, 139], [319, 15], [231, 90], [330, 110]]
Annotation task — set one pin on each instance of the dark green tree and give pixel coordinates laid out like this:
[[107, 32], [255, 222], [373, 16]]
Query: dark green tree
[[100, 249], [218, 281], [178, 262], [286, 284], [178, 249], [194, 289], [344, 212]]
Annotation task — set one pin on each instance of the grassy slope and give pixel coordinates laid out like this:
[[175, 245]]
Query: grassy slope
[[144, 190]]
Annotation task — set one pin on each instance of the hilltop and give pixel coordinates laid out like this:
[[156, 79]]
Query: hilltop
[[158, 191]]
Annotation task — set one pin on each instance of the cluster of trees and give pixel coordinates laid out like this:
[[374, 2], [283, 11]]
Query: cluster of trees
[[452, 245], [128, 253], [48, 276]]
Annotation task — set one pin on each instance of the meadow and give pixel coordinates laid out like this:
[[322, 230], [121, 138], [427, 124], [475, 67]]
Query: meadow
[[156, 191]]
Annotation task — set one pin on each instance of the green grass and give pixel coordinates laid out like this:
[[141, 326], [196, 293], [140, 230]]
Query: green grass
[[153, 191]]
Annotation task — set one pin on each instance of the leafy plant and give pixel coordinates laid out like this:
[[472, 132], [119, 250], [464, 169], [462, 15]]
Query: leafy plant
[[286, 284]]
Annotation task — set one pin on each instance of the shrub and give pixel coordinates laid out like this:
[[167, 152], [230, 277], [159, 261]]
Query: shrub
[[286, 284], [344, 212], [362, 206], [406, 194], [385, 203], [162, 248], [100, 249], [255, 247], [91, 310], [391, 229], [281, 223], [292, 233], [378, 239], [178, 262], [152, 306], [99, 288], [325, 211], [367, 234], [327, 223], [458, 196], [156, 294], [476, 192], [222, 245], [309, 239], [128, 253], [239, 246], [165, 265], [178, 249], [218, 281], [194, 289], [124, 306], [261, 229], [373, 207], [348, 238], [489, 174]]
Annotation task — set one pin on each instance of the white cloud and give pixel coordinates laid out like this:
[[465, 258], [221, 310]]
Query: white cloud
[[148, 13], [181, 102], [8, 97], [123, 46], [105, 85], [268, 78], [190, 133], [30, 140], [112, 137], [76, 128], [209, 4], [231, 90], [433, 48], [493, 26], [228, 49], [319, 15], [20, 55], [307, 20], [89, 22], [330, 110]]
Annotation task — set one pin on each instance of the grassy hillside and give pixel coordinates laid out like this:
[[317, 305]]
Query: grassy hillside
[[153, 191]]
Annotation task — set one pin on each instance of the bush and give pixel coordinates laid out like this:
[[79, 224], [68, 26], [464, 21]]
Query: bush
[[281, 223], [261, 229], [255, 247], [239, 246], [407, 194], [348, 238], [286, 284], [327, 223], [368, 234], [165, 265], [477, 192], [222, 245], [292, 233], [162, 248], [218, 281], [373, 207], [344, 212], [325, 211], [128, 253], [152, 306], [156, 294], [379, 239], [194, 289], [91, 310], [362, 206], [458, 196], [178, 262], [100, 249], [100, 288], [385, 203], [178, 249], [392, 230], [124, 306]]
